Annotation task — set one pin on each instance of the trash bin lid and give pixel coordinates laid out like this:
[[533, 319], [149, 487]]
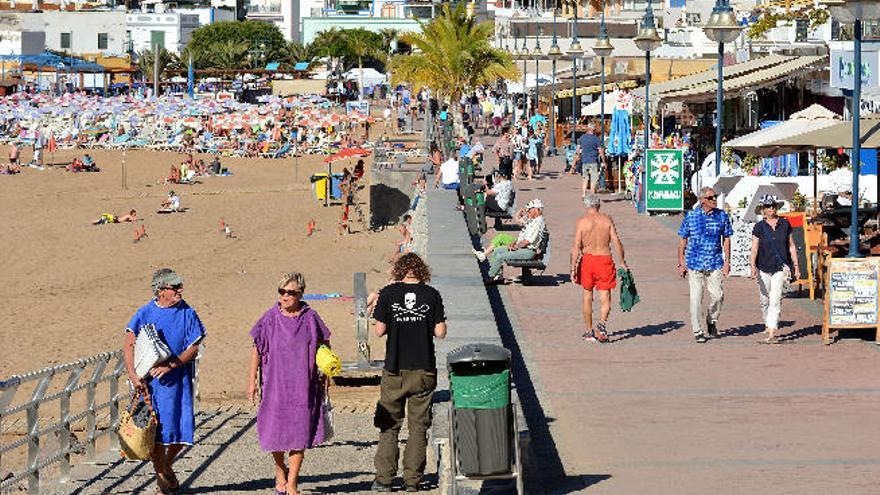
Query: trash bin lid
[[473, 353]]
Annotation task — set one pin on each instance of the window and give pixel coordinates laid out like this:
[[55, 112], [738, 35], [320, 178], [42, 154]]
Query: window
[[65, 41], [102, 41]]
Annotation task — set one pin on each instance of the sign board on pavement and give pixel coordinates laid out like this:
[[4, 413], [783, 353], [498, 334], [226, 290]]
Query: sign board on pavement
[[852, 299], [665, 183]]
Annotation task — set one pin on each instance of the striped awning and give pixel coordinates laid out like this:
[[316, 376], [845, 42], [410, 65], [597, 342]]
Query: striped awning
[[740, 82], [596, 88]]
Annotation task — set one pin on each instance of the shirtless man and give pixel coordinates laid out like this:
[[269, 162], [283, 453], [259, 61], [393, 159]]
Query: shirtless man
[[593, 239], [110, 218]]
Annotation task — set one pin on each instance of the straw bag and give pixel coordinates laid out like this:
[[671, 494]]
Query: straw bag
[[137, 429], [149, 350]]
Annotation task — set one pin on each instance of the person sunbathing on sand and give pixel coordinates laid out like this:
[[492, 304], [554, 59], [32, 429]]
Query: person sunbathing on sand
[[173, 177], [109, 218]]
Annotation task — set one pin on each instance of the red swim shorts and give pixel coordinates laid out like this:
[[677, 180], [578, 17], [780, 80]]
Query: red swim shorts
[[598, 271]]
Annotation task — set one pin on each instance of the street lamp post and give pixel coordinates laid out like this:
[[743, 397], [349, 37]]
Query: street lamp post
[[855, 11], [554, 54], [524, 56], [722, 28], [647, 40], [575, 50], [602, 49]]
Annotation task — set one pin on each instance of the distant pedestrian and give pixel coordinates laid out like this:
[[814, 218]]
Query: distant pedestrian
[[704, 257], [410, 314], [773, 260], [286, 339], [503, 150], [590, 154], [594, 236], [169, 383]]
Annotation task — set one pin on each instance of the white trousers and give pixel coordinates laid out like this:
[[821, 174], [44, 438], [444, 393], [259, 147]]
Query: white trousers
[[710, 280], [770, 287]]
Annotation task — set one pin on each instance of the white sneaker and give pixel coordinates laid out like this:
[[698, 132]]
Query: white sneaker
[[479, 254]]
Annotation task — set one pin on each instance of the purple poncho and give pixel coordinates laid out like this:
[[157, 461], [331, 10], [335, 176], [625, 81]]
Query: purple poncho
[[290, 416]]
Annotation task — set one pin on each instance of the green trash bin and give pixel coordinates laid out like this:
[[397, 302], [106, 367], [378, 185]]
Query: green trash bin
[[479, 382]]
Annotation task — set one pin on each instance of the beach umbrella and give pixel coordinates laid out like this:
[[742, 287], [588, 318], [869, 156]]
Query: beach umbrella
[[346, 153]]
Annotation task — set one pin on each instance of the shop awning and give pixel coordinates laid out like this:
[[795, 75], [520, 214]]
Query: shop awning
[[760, 143], [836, 136], [711, 75], [593, 89], [739, 81]]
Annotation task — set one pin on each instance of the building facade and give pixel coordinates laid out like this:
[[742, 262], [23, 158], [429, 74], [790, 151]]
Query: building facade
[[95, 33], [170, 30]]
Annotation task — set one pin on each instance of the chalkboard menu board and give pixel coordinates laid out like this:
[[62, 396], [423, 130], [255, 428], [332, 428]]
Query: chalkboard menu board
[[852, 299]]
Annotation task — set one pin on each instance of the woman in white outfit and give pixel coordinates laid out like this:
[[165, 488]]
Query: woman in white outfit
[[773, 260]]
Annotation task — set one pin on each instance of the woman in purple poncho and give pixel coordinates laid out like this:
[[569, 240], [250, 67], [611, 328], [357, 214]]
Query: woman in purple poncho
[[289, 419]]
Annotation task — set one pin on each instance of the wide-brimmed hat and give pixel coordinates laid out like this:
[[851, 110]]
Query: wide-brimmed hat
[[535, 203], [768, 200]]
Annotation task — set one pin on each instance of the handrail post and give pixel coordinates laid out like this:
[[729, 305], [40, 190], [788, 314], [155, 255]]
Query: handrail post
[[92, 416], [63, 418], [114, 401], [9, 388], [33, 425]]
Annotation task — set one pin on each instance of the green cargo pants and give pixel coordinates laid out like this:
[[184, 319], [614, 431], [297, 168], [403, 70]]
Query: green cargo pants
[[412, 389]]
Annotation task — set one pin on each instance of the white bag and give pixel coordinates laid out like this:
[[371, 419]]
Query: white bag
[[327, 413], [149, 350]]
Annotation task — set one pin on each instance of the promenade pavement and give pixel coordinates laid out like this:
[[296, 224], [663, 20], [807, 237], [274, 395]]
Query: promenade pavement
[[654, 412]]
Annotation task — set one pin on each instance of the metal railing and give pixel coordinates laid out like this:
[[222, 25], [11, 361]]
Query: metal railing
[[39, 385]]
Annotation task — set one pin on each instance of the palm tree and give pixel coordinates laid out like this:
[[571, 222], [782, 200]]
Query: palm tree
[[229, 55], [330, 44], [455, 56], [168, 61], [294, 53], [362, 44]]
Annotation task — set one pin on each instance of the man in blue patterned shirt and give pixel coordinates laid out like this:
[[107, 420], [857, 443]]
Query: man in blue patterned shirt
[[704, 256]]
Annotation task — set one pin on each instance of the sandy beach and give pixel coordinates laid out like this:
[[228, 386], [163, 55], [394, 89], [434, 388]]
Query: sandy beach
[[69, 288]]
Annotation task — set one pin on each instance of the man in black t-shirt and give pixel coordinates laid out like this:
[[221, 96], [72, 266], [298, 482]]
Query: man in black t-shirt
[[410, 314]]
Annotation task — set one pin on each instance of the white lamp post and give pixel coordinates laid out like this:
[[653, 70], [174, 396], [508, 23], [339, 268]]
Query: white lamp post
[[722, 28]]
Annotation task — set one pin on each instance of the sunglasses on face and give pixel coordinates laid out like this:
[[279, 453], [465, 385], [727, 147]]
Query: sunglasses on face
[[292, 293], [710, 198], [175, 288]]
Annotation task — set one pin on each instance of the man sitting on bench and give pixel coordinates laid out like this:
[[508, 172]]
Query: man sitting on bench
[[526, 246]]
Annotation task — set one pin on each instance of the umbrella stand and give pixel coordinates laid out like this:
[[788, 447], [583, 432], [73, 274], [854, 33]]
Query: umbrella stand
[[124, 176], [327, 184]]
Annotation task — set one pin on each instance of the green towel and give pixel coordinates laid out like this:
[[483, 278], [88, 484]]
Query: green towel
[[629, 296]]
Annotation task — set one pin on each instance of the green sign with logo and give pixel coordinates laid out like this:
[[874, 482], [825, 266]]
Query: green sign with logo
[[665, 183]]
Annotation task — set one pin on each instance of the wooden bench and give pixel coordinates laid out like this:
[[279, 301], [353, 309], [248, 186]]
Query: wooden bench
[[503, 215], [539, 262]]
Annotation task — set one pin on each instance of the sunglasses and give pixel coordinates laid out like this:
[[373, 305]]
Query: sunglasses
[[710, 198], [292, 293], [175, 288]]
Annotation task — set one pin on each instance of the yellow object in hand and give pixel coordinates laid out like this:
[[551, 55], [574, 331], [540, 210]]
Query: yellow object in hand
[[327, 361]]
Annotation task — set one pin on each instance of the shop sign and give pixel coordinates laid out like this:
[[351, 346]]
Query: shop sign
[[843, 69]]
